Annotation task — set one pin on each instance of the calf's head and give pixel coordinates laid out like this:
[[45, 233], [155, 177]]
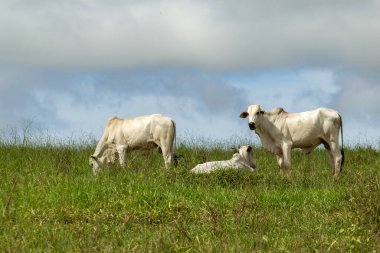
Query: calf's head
[[246, 153], [253, 113]]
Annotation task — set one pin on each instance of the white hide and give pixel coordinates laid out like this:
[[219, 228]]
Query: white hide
[[141, 133], [242, 160], [280, 131]]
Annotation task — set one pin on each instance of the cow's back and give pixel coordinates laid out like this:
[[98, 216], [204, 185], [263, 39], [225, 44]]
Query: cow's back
[[331, 120], [138, 131], [114, 130], [308, 128], [161, 125]]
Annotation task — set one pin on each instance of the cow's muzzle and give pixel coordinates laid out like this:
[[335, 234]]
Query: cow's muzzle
[[252, 125]]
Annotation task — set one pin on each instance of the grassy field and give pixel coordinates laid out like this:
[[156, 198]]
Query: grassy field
[[51, 202]]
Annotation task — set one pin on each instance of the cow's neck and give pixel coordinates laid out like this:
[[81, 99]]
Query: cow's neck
[[269, 130], [100, 149], [265, 127]]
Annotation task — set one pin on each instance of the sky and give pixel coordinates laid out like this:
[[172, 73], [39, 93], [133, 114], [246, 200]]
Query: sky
[[67, 66]]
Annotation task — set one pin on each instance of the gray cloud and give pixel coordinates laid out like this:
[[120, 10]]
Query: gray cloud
[[215, 35]]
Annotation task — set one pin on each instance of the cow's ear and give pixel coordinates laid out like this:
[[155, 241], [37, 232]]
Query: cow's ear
[[249, 149], [243, 115]]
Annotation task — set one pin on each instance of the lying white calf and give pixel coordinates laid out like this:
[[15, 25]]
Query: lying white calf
[[242, 160]]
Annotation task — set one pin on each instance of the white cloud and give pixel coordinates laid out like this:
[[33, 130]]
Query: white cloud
[[295, 90], [359, 103], [191, 121], [359, 93], [76, 102]]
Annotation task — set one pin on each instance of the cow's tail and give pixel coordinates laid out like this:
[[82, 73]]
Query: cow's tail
[[174, 144], [341, 148]]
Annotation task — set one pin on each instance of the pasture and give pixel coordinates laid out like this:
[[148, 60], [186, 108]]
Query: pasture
[[50, 201]]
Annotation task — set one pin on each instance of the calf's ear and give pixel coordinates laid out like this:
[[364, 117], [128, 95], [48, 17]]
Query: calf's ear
[[243, 115]]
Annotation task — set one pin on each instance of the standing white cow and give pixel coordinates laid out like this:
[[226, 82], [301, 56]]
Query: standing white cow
[[280, 131], [142, 133], [241, 160]]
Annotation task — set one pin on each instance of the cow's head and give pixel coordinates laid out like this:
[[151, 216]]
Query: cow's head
[[253, 113], [246, 152], [106, 156], [95, 164]]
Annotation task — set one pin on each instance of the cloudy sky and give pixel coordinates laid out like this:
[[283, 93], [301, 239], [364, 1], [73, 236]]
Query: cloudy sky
[[69, 65]]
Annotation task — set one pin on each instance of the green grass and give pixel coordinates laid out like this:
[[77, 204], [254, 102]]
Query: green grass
[[50, 201]]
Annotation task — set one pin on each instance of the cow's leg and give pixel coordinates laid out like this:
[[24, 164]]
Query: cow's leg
[[330, 155], [331, 159], [166, 153], [121, 150], [287, 151], [337, 157], [166, 145], [280, 161], [168, 157]]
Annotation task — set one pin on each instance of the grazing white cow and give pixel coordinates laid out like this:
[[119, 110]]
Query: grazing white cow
[[142, 133], [280, 131], [242, 160]]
